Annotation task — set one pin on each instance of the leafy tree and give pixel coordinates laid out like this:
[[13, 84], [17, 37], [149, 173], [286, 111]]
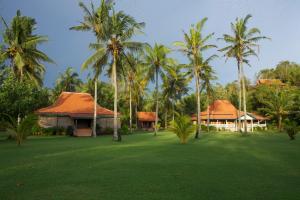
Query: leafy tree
[[20, 48], [182, 126], [19, 99], [175, 85], [68, 81], [277, 102], [242, 44], [157, 61], [291, 128], [193, 46]]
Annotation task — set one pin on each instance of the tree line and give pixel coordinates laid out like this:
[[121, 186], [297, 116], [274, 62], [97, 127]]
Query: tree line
[[131, 65]]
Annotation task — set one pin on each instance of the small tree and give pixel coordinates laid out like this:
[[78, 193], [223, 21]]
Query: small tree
[[20, 131], [182, 126], [291, 128]]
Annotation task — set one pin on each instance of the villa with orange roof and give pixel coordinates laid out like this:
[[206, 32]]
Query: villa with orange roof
[[223, 115], [146, 120], [75, 110]]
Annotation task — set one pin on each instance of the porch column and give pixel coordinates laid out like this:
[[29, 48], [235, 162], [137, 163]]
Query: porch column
[[251, 125]]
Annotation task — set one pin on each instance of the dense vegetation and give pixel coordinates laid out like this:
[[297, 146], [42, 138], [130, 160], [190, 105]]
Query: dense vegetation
[[132, 65]]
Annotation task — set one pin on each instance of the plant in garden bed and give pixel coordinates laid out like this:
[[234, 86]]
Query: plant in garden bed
[[183, 127]]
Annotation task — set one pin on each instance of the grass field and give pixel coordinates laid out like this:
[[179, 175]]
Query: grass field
[[218, 166]]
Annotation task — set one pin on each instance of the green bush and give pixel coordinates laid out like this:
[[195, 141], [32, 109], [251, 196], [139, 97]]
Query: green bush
[[183, 127], [70, 131], [291, 128], [124, 130]]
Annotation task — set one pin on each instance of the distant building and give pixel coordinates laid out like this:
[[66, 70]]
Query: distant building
[[269, 82], [223, 115], [146, 120], [75, 110]]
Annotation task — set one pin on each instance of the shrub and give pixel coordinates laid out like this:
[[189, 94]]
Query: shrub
[[124, 130], [183, 127], [291, 129], [70, 130]]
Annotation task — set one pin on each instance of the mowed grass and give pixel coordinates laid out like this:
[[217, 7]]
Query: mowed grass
[[218, 166]]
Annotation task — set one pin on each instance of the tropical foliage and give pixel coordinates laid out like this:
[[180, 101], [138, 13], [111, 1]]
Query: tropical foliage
[[182, 127]]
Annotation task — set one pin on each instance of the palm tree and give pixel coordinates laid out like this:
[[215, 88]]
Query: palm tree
[[175, 85], [207, 75], [193, 46], [68, 81], [95, 20], [121, 28], [20, 48], [157, 61], [133, 69], [242, 44]]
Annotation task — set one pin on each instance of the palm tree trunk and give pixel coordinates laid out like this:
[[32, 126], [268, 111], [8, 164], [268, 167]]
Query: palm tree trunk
[[136, 117], [166, 119], [130, 109], [240, 97], [244, 98], [280, 122], [207, 114], [198, 106], [116, 136], [95, 109], [173, 111], [156, 91]]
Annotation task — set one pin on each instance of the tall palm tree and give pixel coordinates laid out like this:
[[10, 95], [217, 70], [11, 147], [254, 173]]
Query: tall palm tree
[[242, 44], [96, 21], [175, 85], [132, 69], [121, 28], [208, 74], [20, 48], [156, 59], [69, 80], [193, 46]]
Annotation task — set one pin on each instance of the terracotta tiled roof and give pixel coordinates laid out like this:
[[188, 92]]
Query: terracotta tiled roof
[[74, 105], [146, 116], [269, 82], [224, 110]]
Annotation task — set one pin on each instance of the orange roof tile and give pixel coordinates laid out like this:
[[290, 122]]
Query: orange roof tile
[[74, 105], [146, 116], [269, 82]]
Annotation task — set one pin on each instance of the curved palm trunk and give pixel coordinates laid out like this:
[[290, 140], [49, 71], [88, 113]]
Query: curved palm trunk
[[280, 122], [198, 107], [95, 109], [156, 110], [244, 98], [173, 110], [166, 119], [116, 136], [136, 117], [240, 97], [130, 109]]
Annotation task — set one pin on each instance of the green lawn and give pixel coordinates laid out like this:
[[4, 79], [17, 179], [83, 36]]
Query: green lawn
[[218, 166]]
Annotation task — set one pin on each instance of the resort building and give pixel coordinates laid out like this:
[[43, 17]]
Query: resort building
[[75, 110], [224, 116], [146, 120]]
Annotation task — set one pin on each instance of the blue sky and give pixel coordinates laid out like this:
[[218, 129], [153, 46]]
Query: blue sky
[[165, 20]]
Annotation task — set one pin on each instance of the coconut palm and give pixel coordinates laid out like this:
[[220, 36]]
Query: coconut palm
[[242, 44], [194, 44], [207, 75], [157, 61], [175, 85], [132, 70], [121, 28], [68, 81], [96, 21], [182, 126], [20, 48]]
